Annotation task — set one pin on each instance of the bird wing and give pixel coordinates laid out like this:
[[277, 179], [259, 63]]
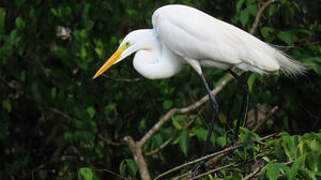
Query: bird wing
[[193, 34]]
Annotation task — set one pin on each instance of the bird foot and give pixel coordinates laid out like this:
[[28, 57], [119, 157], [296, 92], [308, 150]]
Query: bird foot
[[198, 169]]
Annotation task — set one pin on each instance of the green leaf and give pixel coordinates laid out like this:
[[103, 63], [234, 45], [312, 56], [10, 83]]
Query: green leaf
[[239, 5], [157, 140], [53, 93], [91, 111], [252, 9], [19, 22], [122, 168], [201, 133], [85, 174], [315, 67], [272, 9], [221, 141], [132, 167], [244, 17], [307, 174], [251, 81], [266, 31], [6, 104], [183, 142], [286, 36], [167, 104], [266, 159], [176, 124], [273, 171]]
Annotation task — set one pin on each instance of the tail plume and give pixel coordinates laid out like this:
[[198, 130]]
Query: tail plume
[[289, 66]]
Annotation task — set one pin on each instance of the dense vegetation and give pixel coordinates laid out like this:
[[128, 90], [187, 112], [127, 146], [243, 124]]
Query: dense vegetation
[[58, 123]]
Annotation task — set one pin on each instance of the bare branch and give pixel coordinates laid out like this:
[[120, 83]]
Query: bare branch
[[253, 173], [63, 114], [138, 157], [183, 110], [216, 169], [110, 142], [273, 110], [197, 160], [259, 15], [162, 146]]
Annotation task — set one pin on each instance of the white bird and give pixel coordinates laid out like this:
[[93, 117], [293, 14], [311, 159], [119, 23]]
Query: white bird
[[184, 35]]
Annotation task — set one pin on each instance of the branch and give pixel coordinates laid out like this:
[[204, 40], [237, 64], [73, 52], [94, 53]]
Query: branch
[[110, 142], [259, 15], [254, 172], [198, 160], [216, 169], [162, 146], [183, 110], [138, 157], [273, 110]]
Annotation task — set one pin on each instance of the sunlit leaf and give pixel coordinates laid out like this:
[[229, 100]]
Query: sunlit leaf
[[85, 174], [91, 111]]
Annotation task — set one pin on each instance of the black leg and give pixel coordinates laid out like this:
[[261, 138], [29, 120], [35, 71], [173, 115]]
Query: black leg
[[214, 115], [200, 166], [244, 90]]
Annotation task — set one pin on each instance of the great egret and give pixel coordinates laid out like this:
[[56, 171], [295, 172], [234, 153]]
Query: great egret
[[184, 35]]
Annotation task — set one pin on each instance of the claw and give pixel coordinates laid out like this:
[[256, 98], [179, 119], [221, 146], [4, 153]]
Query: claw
[[199, 168]]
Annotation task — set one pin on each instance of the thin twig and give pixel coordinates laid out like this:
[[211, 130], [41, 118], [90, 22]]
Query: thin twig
[[65, 115], [216, 169], [110, 142], [273, 110], [253, 173], [162, 146], [197, 160]]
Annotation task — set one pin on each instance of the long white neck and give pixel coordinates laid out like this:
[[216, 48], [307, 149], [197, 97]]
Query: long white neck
[[153, 60]]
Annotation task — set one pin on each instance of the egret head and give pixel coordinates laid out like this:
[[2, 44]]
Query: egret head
[[132, 42]]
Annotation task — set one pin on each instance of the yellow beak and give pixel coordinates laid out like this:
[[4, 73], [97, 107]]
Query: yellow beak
[[109, 62]]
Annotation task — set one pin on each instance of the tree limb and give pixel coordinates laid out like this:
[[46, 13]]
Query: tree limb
[[110, 142], [138, 157], [259, 15], [216, 169], [198, 160], [183, 110], [162, 146]]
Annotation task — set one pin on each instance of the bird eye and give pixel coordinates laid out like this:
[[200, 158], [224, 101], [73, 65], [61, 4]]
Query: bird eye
[[127, 44]]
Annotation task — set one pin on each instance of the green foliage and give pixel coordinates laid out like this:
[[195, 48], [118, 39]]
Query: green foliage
[[128, 165], [85, 174], [302, 154], [58, 123]]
